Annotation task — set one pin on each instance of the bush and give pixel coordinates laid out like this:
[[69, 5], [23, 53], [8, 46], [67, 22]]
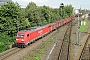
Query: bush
[[5, 41]]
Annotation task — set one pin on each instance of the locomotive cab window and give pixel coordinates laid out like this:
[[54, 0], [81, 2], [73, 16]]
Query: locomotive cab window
[[20, 35], [27, 35]]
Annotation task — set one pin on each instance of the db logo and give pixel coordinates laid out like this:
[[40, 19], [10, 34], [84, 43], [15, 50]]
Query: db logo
[[40, 32]]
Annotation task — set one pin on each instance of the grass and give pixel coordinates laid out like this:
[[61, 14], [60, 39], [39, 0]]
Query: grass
[[41, 51], [83, 28]]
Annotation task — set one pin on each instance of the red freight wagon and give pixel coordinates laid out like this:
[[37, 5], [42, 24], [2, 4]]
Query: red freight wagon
[[51, 26], [56, 24], [65, 21], [69, 19], [25, 37], [60, 23]]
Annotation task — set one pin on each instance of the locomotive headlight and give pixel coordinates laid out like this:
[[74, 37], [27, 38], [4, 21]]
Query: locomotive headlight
[[16, 39], [22, 40]]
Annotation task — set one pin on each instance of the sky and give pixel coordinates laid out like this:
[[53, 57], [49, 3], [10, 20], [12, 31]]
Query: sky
[[84, 4]]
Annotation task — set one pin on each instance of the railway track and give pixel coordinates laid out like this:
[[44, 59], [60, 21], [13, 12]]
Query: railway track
[[8, 53], [16, 52], [55, 49], [85, 55], [65, 48]]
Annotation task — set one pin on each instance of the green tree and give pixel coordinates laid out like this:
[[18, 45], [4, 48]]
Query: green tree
[[32, 13], [8, 13], [68, 10]]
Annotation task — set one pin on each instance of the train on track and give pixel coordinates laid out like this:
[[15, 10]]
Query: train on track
[[29, 35]]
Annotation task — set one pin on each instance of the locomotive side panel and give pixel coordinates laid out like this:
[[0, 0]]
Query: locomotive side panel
[[39, 33]]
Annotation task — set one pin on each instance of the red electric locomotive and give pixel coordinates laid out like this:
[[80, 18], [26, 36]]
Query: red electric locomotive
[[29, 35]]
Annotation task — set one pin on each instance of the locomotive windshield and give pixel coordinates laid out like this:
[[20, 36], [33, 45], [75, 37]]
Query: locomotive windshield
[[20, 35]]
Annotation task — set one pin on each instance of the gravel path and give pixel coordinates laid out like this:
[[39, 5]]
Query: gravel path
[[76, 49]]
